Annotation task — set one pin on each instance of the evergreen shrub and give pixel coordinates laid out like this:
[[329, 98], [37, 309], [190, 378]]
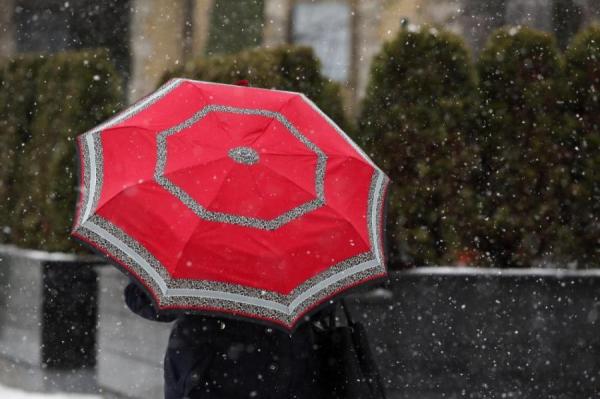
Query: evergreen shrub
[[74, 91], [416, 124], [235, 25], [525, 149], [583, 77], [284, 68], [18, 89]]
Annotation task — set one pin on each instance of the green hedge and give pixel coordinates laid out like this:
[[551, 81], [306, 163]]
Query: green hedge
[[70, 93], [583, 208], [502, 170], [415, 122], [18, 89], [526, 152], [285, 68], [235, 25]]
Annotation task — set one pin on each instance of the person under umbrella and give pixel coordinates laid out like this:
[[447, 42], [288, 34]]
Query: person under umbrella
[[212, 357], [219, 199]]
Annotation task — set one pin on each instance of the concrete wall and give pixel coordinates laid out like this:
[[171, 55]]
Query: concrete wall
[[497, 334], [28, 336], [21, 316], [130, 348], [7, 28], [435, 332]]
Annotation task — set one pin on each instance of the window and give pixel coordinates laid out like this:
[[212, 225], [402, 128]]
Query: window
[[51, 26], [325, 26]]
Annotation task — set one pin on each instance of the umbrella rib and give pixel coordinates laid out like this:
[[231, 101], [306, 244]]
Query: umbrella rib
[[117, 127], [257, 190], [289, 180], [200, 220], [273, 119], [207, 103], [186, 244], [222, 125], [152, 180], [186, 168], [111, 199], [305, 99], [220, 186], [342, 217]]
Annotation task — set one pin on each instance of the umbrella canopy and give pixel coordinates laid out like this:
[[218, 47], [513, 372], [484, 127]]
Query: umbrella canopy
[[235, 200]]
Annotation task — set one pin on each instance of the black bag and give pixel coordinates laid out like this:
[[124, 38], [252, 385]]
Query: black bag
[[347, 368]]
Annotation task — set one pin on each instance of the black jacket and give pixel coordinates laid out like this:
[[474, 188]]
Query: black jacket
[[210, 357]]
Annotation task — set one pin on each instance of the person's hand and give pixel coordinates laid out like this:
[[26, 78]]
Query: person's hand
[[141, 304]]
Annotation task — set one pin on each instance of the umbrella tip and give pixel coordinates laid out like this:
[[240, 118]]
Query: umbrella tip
[[242, 82]]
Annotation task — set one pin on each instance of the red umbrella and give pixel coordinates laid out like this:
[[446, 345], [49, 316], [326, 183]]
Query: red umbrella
[[235, 200]]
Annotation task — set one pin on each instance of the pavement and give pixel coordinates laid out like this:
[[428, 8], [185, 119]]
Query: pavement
[[12, 393]]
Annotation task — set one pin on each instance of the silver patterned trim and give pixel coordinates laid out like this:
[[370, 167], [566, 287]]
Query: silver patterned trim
[[285, 308], [378, 185], [93, 148], [244, 155], [230, 297], [214, 216]]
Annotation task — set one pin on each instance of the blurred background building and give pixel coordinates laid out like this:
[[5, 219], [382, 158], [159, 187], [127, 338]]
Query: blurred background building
[[441, 332], [148, 37]]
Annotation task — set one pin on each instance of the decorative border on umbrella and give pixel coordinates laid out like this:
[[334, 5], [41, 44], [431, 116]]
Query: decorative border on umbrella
[[208, 295], [213, 216], [90, 148], [232, 298]]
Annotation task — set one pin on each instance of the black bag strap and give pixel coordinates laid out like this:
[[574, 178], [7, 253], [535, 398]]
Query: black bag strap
[[332, 317], [329, 320], [361, 345], [349, 317]]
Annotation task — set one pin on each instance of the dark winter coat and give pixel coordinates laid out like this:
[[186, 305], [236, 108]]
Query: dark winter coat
[[210, 357]]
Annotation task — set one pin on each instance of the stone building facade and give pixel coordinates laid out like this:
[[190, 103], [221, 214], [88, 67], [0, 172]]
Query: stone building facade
[[152, 36], [376, 21], [164, 33]]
